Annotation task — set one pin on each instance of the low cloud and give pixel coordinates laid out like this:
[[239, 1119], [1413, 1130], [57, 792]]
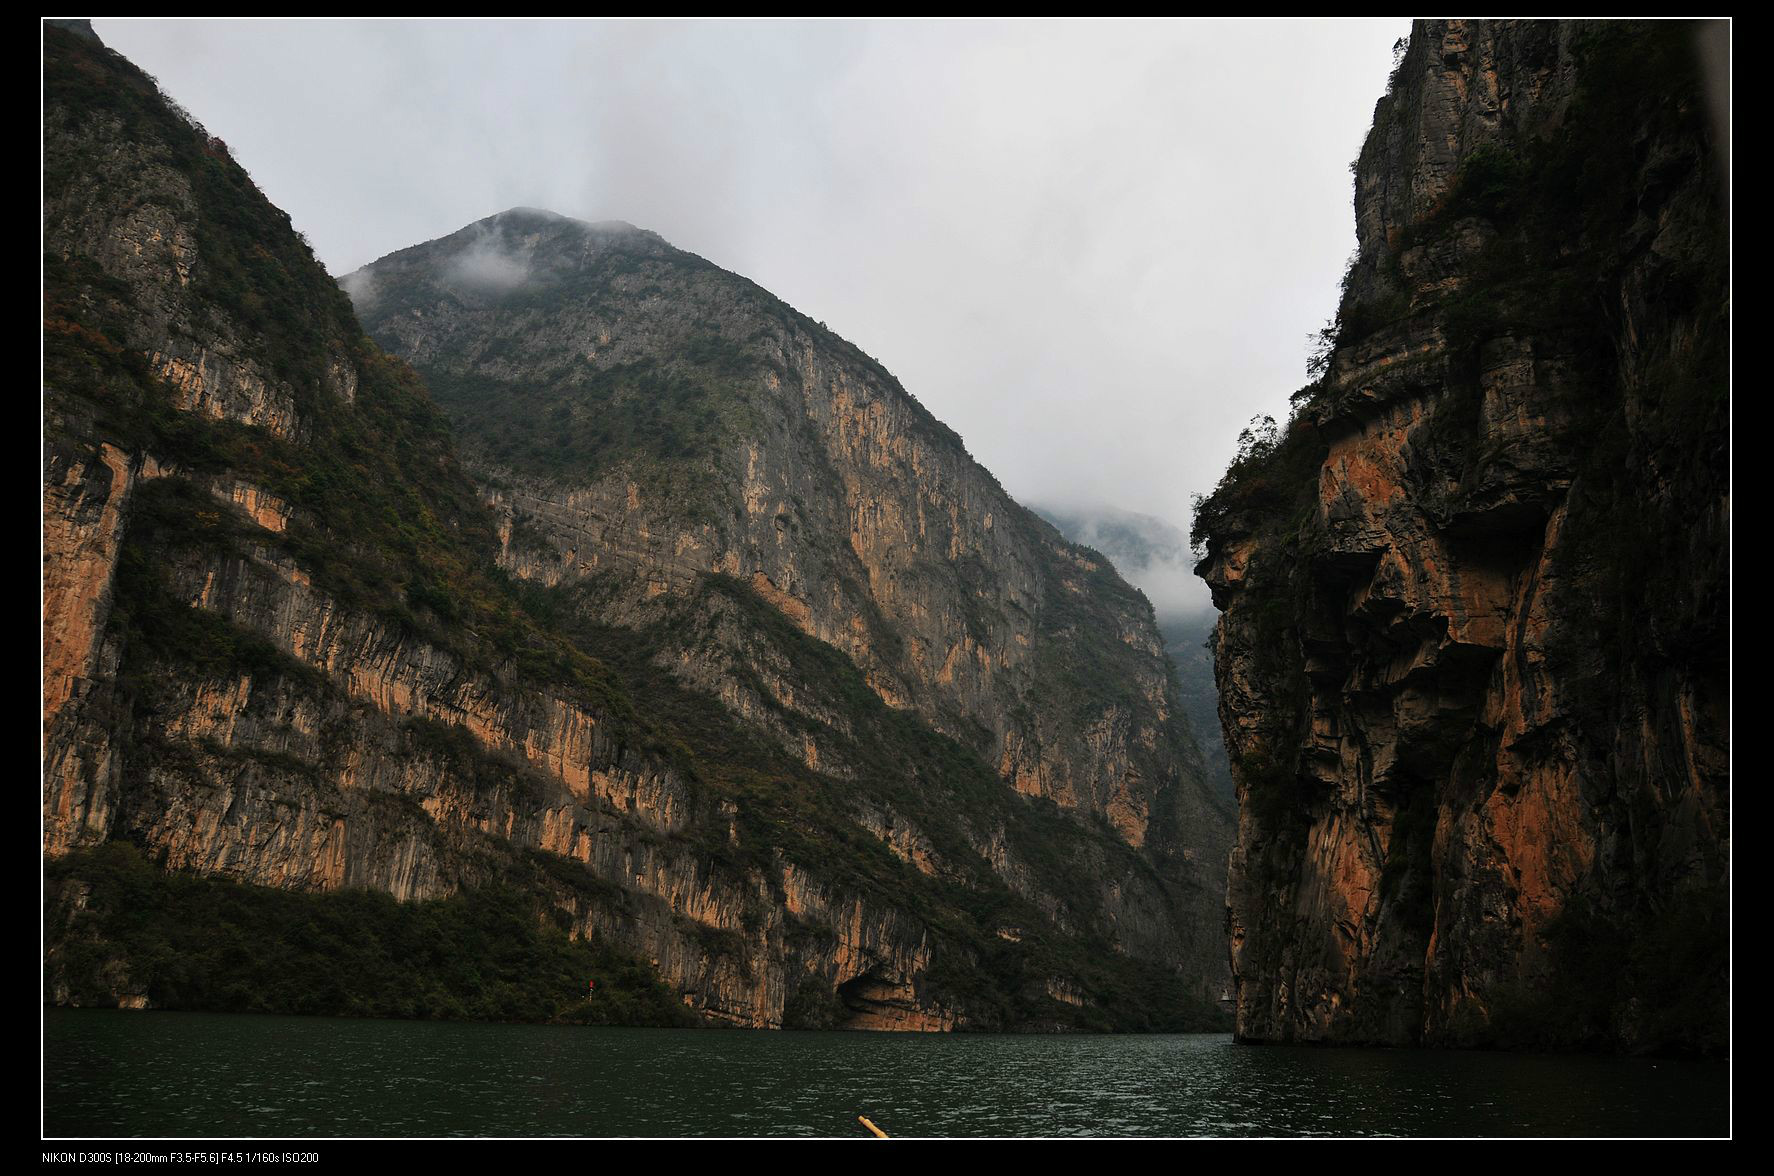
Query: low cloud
[[360, 287], [1150, 554], [489, 267]]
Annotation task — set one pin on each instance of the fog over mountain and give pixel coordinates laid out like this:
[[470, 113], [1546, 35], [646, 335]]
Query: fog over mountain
[[1095, 249], [1151, 554]]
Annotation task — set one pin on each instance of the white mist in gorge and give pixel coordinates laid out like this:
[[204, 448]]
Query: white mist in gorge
[[1095, 249]]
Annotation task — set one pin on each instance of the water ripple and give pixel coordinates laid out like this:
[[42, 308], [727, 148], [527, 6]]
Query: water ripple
[[124, 1073]]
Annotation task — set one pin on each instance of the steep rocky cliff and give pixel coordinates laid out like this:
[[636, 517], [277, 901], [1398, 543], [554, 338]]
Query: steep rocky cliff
[[1473, 651], [720, 649], [643, 421]]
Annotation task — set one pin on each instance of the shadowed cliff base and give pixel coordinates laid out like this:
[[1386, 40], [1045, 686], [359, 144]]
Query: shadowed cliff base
[[127, 933]]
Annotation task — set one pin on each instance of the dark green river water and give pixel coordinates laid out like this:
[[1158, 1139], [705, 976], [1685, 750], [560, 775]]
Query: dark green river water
[[190, 1074]]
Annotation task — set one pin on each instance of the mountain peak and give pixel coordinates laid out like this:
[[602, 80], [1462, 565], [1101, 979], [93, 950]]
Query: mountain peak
[[524, 217], [79, 26], [521, 248]]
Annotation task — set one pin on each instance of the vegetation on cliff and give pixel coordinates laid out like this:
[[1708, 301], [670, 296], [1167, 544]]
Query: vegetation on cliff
[[116, 920]]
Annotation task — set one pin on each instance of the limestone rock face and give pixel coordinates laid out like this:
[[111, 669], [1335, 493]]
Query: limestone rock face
[[1473, 651], [720, 646], [641, 420], [799, 466]]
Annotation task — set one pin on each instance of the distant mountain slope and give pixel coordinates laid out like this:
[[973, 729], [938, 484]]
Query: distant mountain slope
[[713, 683], [1150, 553], [1155, 558], [1188, 641]]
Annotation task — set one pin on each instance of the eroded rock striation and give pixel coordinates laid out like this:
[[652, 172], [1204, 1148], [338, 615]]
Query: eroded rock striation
[[1473, 651], [715, 644], [642, 419]]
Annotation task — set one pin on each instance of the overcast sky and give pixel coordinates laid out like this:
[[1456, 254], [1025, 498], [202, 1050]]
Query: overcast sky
[[1094, 249]]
